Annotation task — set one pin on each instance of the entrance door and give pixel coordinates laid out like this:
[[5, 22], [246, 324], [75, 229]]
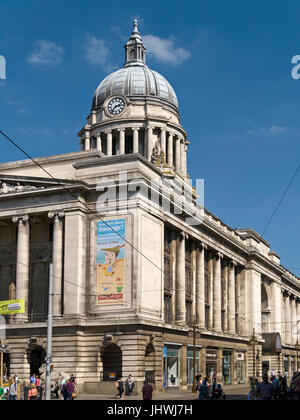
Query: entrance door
[[265, 367], [36, 358]]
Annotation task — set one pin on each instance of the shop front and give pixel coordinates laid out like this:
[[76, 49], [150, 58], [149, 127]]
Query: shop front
[[226, 369], [171, 366], [190, 364], [240, 367], [211, 361]]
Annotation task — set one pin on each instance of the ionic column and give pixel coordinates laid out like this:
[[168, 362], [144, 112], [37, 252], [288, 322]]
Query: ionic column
[[210, 289], [163, 141], [225, 297], [135, 140], [87, 143], [122, 141], [177, 154], [185, 162], [294, 321], [109, 143], [200, 287], [99, 144], [180, 280], [22, 273], [231, 298], [298, 321], [217, 324], [283, 329], [288, 330], [149, 142], [170, 150], [57, 261]]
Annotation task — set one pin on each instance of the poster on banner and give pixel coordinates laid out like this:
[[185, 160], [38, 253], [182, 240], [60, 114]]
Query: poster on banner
[[111, 262], [12, 307]]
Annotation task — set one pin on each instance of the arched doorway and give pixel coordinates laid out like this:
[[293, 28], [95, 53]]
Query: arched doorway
[[36, 358], [150, 364], [112, 362], [6, 366]]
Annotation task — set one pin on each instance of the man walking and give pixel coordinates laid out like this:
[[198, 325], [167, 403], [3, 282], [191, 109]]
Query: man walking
[[265, 389], [13, 390], [147, 391]]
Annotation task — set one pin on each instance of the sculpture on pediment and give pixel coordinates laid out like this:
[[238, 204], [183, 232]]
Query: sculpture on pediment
[[8, 188]]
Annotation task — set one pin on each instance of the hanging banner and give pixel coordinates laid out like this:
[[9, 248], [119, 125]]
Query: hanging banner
[[12, 307], [110, 262]]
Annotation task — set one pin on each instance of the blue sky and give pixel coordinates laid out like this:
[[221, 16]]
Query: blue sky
[[229, 62]]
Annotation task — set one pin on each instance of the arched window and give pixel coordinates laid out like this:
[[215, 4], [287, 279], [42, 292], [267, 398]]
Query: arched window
[[265, 310]]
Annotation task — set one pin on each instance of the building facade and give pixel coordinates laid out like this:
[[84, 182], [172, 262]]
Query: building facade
[[141, 272]]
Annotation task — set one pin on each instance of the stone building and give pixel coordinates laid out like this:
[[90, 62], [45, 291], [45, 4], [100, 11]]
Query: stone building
[[131, 303]]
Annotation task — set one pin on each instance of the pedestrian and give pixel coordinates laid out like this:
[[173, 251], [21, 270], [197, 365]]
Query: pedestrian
[[120, 388], [147, 391], [12, 390], [265, 389], [32, 393], [283, 392], [275, 383], [71, 389], [64, 391], [198, 380], [33, 379], [252, 392], [204, 390], [129, 385], [2, 394], [298, 387]]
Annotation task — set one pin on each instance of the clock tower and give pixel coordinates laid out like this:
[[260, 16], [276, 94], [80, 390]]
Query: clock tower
[[135, 111]]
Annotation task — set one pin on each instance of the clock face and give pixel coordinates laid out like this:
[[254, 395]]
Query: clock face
[[116, 106]]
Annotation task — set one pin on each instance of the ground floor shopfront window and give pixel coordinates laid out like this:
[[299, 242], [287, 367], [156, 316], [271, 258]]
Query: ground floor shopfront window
[[293, 365], [171, 366], [240, 367], [227, 367], [211, 362], [286, 365], [190, 365]]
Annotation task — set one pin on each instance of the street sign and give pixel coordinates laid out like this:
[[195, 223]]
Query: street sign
[[12, 307]]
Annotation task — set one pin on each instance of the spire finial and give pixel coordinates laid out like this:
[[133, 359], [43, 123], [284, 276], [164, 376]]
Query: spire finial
[[135, 49], [135, 26]]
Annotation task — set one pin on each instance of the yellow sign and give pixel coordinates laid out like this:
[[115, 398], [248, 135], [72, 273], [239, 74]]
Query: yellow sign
[[11, 307]]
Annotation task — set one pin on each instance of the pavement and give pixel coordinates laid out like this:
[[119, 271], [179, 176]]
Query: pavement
[[232, 392]]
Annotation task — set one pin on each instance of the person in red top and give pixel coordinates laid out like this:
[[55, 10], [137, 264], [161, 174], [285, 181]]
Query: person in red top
[[147, 391], [298, 387]]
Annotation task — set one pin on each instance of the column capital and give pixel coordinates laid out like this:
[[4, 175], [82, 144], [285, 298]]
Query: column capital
[[24, 218], [232, 263], [120, 130], [56, 214], [219, 255], [201, 246], [135, 128], [108, 131], [182, 235]]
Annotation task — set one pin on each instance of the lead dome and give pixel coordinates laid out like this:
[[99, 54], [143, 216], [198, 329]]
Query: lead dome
[[135, 79]]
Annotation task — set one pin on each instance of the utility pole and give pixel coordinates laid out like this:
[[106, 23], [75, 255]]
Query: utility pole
[[254, 342], [49, 335]]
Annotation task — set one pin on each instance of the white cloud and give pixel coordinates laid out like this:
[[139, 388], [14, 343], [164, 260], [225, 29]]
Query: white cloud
[[165, 50], [273, 130], [98, 53], [46, 53]]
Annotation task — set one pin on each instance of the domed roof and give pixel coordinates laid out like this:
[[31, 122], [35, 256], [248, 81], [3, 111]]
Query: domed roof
[[134, 81], [135, 78]]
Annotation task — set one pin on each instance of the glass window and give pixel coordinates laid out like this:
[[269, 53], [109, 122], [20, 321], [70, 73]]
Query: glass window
[[171, 366], [190, 365]]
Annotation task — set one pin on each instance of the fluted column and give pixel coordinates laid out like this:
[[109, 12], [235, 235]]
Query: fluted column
[[163, 141], [177, 154], [99, 144], [22, 272], [122, 141], [298, 321], [170, 150], [200, 287], [135, 140], [217, 324], [57, 261], [180, 280], [283, 329], [225, 295], [185, 161], [109, 143], [231, 298]]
